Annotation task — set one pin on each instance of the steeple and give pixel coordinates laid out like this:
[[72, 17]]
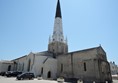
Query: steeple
[[58, 10], [58, 28], [57, 43]]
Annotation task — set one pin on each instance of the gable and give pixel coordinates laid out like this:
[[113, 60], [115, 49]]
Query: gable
[[100, 50]]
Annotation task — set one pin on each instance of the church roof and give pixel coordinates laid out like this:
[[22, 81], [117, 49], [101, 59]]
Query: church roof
[[44, 53], [58, 10], [6, 61], [89, 49], [20, 58]]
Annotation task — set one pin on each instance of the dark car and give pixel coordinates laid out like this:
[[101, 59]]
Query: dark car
[[2, 73], [25, 76], [13, 73]]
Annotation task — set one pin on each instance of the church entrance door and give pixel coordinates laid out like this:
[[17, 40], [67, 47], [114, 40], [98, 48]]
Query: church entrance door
[[49, 75], [9, 67]]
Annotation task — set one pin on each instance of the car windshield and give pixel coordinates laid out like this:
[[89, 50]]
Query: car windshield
[[21, 74]]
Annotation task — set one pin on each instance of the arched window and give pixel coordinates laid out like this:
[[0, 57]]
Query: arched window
[[61, 68], [42, 71], [23, 67], [29, 62], [61, 39], [84, 66], [53, 50]]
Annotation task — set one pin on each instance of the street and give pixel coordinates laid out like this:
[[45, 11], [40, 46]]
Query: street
[[13, 80], [115, 81]]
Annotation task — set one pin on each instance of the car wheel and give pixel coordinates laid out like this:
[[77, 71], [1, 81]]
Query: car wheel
[[7, 75], [21, 79], [30, 78]]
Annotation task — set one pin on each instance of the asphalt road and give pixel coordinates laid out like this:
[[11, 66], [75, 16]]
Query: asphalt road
[[115, 81], [13, 80]]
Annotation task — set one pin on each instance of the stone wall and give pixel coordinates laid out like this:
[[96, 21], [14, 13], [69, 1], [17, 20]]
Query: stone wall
[[84, 64], [6, 66], [38, 63]]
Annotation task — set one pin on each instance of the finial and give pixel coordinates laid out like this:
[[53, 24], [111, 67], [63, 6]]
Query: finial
[[99, 45]]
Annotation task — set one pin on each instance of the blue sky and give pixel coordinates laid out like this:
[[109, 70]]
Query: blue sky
[[25, 26]]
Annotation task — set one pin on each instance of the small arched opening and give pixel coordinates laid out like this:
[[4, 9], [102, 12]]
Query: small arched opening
[[41, 71], [85, 66], [9, 68], [49, 75], [23, 67], [61, 68], [29, 63]]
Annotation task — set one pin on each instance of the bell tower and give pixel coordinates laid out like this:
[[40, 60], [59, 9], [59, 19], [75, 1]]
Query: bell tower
[[57, 43]]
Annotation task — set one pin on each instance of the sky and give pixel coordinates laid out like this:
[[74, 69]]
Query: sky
[[25, 26]]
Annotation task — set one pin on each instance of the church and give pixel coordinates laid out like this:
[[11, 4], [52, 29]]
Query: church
[[88, 64]]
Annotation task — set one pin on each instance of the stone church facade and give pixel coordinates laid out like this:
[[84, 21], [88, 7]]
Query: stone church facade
[[88, 65]]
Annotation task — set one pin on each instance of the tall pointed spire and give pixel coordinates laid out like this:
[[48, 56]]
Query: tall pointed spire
[[58, 29], [57, 44], [58, 10]]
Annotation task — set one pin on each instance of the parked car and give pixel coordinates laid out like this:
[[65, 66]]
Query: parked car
[[13, 73], [25, 76], [2, 73]]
